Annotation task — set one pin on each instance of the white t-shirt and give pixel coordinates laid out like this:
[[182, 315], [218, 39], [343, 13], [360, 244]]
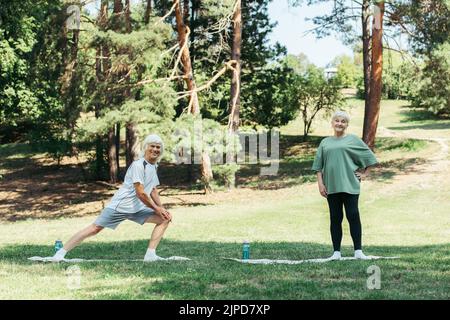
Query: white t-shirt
[[125, 199]]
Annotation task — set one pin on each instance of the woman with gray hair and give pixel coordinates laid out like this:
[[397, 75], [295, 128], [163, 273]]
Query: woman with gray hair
[[136, 200], [341, 162]]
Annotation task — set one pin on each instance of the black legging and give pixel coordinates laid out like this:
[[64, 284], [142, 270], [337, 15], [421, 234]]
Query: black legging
[[350, 201]]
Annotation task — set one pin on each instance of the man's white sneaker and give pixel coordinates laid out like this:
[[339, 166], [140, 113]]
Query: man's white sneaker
[[152, 258], [56, 258], [360, 255]]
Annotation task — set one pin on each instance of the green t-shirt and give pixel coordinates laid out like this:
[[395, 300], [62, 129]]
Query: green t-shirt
[[338, 158]]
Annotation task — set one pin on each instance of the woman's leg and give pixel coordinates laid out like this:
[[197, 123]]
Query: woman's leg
[[352, 213], [335, 203]]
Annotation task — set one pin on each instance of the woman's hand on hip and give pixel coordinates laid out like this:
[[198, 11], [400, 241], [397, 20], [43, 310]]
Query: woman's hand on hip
[[360, 175]]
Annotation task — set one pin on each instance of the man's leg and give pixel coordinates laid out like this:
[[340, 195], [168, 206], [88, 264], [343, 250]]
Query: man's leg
[[76, 239], [160, 227]]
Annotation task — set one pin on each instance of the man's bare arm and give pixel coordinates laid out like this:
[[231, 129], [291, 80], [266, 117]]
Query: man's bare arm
[[155, 196], [150, 202]]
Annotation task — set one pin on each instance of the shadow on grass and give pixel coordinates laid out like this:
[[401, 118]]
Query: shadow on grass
[[427, 126], [416, 114], [421, 272], [294, 167], [387, 170]]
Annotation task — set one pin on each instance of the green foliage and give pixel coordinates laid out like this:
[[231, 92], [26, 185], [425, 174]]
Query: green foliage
[[225, 175], [401, 73], [428, 21], [347, 71], [24, 98], [434, 89], [315, 94], [270, 99]]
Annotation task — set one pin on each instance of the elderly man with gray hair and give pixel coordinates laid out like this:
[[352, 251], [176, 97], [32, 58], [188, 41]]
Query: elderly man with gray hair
[[136, 200]]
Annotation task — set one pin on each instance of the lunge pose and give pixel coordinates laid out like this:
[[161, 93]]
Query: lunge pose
[[137, 200]]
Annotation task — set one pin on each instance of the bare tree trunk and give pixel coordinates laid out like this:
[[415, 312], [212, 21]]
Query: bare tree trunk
[[112, 153], [366, 58], [233, 121], [127, 13], [148, 11], [194, 107], [376, 78], [101, 67], [114, 131], [117, 140], [186, 12], [132, 143]]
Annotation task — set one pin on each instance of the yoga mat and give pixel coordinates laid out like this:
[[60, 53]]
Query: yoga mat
[[319, 260], [75, 260]]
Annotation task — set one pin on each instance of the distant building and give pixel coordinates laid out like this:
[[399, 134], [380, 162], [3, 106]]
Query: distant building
[[330, 73]]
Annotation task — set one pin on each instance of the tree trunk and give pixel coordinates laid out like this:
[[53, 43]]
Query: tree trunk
[[194, 107], [112, 160], [148, 11], [114, 131], [101, 67], [132, 143], [117, 140], [127, 12], [376, 76], [132, 140], [365, 17], [186, 12], [233, 121]]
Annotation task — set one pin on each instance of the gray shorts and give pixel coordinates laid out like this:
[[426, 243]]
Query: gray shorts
[[110, 218]]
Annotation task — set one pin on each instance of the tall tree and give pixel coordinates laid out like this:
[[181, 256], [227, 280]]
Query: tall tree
[[369, 131], [114, 131], [148, 11], [102, 66], [132, 140], [71, 78], [194, 107], [366, 36], [235, 91]]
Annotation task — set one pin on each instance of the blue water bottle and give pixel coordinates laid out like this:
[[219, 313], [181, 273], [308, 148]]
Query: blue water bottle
[[58, 245], [246, 250]]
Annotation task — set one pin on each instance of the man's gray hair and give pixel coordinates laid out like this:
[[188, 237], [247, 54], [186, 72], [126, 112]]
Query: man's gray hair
[[341, 114], [152, 138]]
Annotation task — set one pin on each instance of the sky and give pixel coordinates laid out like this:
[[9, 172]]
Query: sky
[[292, 26]]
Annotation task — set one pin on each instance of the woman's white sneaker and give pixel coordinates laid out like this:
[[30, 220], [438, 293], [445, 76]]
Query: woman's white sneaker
[[336, 256], [360, 255]]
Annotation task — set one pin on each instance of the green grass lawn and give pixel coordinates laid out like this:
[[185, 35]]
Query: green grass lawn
[[404, 209], [295, 228]]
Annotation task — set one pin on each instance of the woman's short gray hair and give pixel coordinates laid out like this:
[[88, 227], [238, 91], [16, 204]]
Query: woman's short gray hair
[[341, 114], [152, 138]]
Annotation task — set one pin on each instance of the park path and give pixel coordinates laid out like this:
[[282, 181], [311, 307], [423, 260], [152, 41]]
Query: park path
[[424, 175]]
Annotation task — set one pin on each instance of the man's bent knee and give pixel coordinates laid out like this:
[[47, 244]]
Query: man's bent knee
[[164, 222]]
